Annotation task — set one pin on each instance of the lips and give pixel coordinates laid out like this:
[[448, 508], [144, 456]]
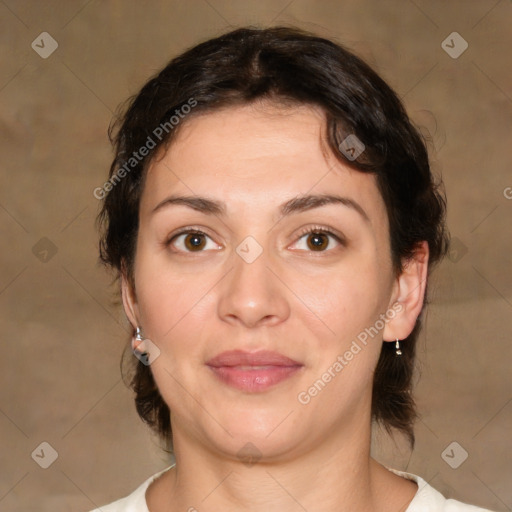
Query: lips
[[241, 358], [252, 372]]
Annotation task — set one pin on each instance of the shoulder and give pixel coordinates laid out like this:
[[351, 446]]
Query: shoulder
[[428, 499], [134, 502]]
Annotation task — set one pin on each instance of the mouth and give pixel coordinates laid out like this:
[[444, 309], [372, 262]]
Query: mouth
[[253, 372]]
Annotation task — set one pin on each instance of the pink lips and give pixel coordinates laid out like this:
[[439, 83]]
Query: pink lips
[[256, 371]]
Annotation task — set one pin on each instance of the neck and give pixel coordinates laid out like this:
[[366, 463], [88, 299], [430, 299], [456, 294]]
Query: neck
[[338, 473]]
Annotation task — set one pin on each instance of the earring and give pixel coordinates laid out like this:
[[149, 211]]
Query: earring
[[397, 348], [143, 348], [137, 341]]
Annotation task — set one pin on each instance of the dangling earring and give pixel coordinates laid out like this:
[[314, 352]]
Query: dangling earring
[[397, 348], [137, 341]]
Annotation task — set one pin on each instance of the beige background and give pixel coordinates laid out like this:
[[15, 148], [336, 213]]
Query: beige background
[[61, 336]]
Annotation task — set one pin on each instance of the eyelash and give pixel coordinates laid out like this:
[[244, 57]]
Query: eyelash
[[306, 231]]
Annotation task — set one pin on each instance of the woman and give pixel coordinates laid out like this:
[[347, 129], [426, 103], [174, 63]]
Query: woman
[[272, 218]]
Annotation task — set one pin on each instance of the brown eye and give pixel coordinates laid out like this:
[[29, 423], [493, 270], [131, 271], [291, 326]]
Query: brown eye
[[317, 241], [194, 241]]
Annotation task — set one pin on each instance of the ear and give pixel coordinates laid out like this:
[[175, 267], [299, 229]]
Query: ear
[[129, 301], [408, 295]]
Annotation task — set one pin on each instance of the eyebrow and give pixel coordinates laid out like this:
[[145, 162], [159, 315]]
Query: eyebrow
[[295, 205]]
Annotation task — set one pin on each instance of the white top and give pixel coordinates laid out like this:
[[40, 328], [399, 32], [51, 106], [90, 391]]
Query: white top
[[426, 499]]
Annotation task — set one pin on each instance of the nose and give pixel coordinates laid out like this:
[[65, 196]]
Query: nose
[[251, 294]]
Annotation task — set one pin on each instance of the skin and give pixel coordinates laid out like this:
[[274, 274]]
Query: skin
[[306, 304]]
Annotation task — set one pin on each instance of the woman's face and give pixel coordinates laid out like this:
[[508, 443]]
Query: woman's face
[[257, 281]]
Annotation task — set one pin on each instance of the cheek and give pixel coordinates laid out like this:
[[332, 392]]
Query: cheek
[[170, 302], [343, 301]]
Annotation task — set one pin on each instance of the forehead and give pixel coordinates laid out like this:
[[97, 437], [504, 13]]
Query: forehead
[[256, 156]]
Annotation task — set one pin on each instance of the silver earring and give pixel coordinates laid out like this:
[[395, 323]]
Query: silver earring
[[397, 348], [137, 342]]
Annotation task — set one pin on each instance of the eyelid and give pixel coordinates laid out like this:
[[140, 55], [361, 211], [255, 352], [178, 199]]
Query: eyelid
[[185, 231], [334, 233]]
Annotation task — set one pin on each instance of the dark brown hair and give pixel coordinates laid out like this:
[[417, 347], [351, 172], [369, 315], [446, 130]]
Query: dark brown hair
[[292, 66]]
